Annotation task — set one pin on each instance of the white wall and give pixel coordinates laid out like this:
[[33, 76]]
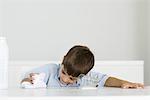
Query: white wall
[[46, 29], [0, 17], [147, 62]]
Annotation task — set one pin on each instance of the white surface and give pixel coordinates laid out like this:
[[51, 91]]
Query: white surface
[[106, 91], [127, 70]]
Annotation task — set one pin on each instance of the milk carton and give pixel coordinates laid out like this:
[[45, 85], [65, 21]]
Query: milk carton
[[3, 63]]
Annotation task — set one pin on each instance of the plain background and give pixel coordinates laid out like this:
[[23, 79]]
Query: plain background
[[47, 29]]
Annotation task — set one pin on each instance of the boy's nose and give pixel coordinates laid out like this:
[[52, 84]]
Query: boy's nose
[[65, 80]]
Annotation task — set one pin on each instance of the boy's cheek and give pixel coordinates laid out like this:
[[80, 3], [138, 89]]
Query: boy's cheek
[[67, 80], [63, 78], [71, 82]]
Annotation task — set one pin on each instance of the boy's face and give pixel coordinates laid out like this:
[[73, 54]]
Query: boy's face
[[64, 77]]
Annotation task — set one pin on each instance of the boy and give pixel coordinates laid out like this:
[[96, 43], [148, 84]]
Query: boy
[[75, 72]]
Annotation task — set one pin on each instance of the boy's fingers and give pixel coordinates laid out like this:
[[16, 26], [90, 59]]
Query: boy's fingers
[[136, 85], [126, 86], [140, 85], [31, 75], [26, 80], [132, 85]]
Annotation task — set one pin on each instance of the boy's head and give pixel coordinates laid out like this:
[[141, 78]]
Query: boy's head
[[79, 60]]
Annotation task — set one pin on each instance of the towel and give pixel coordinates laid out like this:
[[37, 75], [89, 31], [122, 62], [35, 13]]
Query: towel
[[38, 82]]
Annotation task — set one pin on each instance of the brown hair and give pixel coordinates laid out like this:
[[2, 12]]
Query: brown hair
[[78, 60]]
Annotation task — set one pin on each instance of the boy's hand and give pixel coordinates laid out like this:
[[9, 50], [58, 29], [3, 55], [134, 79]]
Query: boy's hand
[[132, 85], [30, 78]]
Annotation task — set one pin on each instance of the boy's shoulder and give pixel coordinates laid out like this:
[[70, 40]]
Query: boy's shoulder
[[53, 67]]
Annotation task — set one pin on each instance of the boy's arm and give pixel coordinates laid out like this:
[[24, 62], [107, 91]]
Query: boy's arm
[[115, 82]]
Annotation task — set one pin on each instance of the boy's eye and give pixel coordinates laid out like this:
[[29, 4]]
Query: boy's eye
[[63, 72], [71, 78]]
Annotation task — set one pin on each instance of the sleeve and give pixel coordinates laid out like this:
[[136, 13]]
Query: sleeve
[[97, 79], [47, 69]]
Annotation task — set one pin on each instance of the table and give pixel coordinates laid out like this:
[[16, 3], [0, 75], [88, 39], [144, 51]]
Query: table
[[105, 91]]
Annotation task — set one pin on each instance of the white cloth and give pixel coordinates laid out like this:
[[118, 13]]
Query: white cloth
[[38, 82]]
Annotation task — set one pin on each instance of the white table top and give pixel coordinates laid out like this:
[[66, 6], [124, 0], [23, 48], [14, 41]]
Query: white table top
[[106, 91]]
